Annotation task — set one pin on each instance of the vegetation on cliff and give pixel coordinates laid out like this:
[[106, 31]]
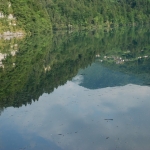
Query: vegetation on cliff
[[42, 15], [27, 15], [97, 13]]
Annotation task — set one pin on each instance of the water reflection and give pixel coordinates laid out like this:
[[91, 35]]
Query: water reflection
[[74, 91], [73, 117], [98, 75], [43, 63]]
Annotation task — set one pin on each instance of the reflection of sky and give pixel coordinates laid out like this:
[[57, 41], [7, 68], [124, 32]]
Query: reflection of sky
[[73, 117], [97, 76]]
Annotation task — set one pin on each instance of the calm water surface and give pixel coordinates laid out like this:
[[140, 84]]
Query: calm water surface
[[77, 91]]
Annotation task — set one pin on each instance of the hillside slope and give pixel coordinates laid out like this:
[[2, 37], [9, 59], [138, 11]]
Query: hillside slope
[[28, 15], [97, 13], [42, 15]]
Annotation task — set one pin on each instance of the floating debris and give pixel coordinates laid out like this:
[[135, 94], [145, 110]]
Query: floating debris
[[82, 74], [108, 119]]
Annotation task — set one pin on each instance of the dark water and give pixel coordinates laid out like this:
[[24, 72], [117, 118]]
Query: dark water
[[76, 91]]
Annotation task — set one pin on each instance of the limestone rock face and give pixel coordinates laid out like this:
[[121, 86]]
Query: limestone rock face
[[11, 17], [1, 15]]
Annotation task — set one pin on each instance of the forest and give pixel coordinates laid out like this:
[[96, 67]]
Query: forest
[[31, 16], [97, 13], [43, 15]]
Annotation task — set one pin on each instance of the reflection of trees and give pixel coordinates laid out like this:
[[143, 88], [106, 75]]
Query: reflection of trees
[[14, 78], [40, 67], [130, 53], [44, 63], [139, 68]]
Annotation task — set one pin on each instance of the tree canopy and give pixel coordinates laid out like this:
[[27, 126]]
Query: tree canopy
[[41, 15]]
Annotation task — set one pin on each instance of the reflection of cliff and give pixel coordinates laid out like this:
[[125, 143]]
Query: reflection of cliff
[[41, 66], [44, 63], [14, 78], [8, 48]]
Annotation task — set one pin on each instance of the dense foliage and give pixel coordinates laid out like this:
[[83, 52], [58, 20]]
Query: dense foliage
[[30, 14], [40, 15], [97, 13]]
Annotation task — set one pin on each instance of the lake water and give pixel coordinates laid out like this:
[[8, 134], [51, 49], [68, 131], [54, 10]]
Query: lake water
[[76, 91]]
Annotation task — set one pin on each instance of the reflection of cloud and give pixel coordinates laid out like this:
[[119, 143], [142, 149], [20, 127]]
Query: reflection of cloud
[[78, 79], [72, 117]]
